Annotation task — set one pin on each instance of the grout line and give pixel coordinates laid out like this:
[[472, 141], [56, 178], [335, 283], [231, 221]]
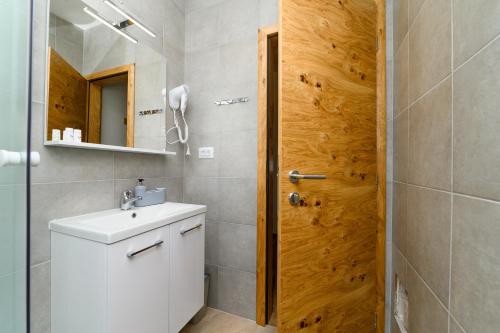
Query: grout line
[[477, 53], [428, 287], [230, 268], [457, 194], [223, 220], [73, 182], [428, 92], [408, 90], [456, 322], [425, 94], [451, 164], [399, 47], [218, 177], [398, 114], [416, 16], [40, 264]]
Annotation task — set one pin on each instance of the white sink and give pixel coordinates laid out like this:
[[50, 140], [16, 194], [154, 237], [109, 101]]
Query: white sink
[[114, 225]]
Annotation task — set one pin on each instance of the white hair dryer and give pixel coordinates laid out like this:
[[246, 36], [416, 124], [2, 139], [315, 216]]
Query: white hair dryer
[[177, 101]]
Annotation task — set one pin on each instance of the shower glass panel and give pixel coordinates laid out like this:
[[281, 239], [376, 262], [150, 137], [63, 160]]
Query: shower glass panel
[[14, 99]]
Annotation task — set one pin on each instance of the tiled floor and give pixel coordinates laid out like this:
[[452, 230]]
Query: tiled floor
[[216, 321]]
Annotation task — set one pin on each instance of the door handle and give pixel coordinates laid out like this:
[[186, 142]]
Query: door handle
[[183, 232], [295, 175], [134, 253], [18, 158]]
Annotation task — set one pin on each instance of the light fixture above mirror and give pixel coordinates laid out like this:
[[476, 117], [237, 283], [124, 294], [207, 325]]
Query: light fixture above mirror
[[130, 18], [110, 25]]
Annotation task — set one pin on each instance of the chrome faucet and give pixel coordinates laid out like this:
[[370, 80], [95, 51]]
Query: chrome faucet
[[127, 201]]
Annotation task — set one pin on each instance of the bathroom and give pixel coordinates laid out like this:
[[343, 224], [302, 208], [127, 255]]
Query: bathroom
[[266, 165]]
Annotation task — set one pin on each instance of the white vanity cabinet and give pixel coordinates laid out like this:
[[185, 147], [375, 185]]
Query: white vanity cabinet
[[137, 285], [150, 282], [187, 239]]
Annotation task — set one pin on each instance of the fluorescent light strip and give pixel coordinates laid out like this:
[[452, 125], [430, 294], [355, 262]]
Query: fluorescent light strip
[[108, 24], [130, 18]]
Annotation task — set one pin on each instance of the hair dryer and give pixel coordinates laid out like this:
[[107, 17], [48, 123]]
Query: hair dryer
[[177, 100]]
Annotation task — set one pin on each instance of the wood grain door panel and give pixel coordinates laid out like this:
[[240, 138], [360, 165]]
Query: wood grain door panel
[[328, 125]]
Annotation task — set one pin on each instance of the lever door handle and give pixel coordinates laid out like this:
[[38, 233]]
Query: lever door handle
[[295, 175]]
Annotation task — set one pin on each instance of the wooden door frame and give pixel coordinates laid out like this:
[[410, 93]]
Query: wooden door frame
[[264, 34], [129, 70]]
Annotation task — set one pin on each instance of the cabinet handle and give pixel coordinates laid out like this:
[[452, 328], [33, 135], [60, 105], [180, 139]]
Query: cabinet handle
[[183, 232], [134, 253]]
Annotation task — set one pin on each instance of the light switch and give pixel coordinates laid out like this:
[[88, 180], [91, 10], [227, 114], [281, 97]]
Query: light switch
[[206, 152]]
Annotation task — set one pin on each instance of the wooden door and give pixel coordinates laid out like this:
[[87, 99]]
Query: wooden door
[[67, 96], [328, 125]]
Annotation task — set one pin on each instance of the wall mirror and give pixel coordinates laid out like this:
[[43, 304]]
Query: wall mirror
[[106, 77]]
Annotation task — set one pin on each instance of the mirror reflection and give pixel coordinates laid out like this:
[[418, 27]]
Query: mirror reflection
[[106, 76]]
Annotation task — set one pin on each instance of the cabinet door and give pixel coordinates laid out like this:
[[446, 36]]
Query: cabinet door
[[138, 283], [187, 239]]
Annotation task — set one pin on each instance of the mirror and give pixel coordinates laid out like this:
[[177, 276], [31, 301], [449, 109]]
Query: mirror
[[106, 76]]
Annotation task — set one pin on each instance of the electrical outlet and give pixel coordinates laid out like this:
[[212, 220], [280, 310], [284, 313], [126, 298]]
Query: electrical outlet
[[206, 152]]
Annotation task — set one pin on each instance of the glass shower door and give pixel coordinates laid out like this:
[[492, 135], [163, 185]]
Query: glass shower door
[[14, 99]]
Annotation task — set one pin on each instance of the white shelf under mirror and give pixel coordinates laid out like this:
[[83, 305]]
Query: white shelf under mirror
[[94, 146]]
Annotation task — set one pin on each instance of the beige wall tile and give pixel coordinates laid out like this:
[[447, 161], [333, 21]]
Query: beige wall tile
[[400, 21], [59, 200], [430, 47], [429, 237], [475, 23], [40, 298], [236, 292], [399, 216], [415, 6], [430, 139], [401, 147], [476, 125], [401, 78], [475, 295], [130, 166], [426, 314], [237, 244]]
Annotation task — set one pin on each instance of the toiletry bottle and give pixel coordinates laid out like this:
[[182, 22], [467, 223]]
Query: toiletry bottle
[[140, 189]]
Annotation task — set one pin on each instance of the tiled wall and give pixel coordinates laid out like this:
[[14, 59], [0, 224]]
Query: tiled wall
[[70, 181], [446, 161], [221, 62]]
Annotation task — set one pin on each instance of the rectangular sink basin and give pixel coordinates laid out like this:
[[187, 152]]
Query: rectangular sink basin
[[111, 226]]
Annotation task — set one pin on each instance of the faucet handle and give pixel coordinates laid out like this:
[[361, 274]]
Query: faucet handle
[[127, 195]]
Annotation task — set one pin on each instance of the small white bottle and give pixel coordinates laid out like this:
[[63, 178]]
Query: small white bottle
[[68, 134], [56, 135], [77, 135]]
